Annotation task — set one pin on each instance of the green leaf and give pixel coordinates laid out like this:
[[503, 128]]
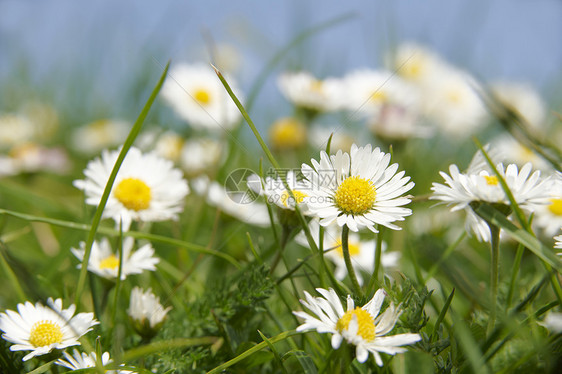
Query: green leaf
[[304, 360]]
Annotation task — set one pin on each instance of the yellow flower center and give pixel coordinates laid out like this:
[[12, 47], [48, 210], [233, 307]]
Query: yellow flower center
[[353, 248], [378, 96], [286, 198], [316, 86], [454, 96], [45, 333], [110, 262], [287, 133], [555, 206], [365, 321], [133, 193], [412, 69], [202, 96], [491, 180], [355, 195]]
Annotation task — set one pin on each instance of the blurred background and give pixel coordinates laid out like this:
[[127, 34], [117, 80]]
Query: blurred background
[[92, 59]]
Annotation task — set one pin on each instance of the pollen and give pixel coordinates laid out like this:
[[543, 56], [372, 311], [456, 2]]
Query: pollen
[[110, 262], [365, 322], [202, 96], [491, 180], [287, 133], [299, 198], [555, 206], [355, 195], [413, 69], [133, 193], [45, 333], [353, 248]]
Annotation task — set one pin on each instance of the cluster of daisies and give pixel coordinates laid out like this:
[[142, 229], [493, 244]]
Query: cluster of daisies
[[356, 189]]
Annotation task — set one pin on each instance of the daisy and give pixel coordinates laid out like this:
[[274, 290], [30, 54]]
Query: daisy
[[362, 252], [523, 99], [41, 329], [553, 322], [515, 152], [83, 360], [200, 155], [360, 326], [97, 135], [416, 63], [461, 189], [548, 216], [453, 104], [276, 193], [105, 263], [238, 204], [146, 311], [147, 187], [358, 189], [198, 96], [304, 90], [287, 133]]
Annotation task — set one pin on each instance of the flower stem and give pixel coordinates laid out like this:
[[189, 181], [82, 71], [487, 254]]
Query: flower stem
[[347, 259], [494, 274]]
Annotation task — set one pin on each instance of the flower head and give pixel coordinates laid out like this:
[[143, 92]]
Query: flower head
[[146, 311], [480, 184], [358, 189], [41, 329], [79, 360], [306, 91], [365, 327], [276, 193], [105, 263], [548, 216], [147, 187], [197, 95], [287, 133]]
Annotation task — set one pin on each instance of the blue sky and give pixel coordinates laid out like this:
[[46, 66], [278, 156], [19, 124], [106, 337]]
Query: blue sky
[[111, 43]]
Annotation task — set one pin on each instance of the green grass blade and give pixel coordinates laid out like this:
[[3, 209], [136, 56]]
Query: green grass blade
[[274, 350], [98, 214]]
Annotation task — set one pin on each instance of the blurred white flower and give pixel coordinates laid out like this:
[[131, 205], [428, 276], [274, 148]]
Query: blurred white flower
[[523, 99], [275, 192], [197, 95], [361, 252], [41, 329], [548, 216], [32, 157], [287, 133], [515, 152], [101, 134], [306, 91], [237, 204], [105, 262], [200, 155], [147, 187]]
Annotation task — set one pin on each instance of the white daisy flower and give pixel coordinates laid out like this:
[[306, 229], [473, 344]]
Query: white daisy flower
[[199, 155], [304, 90], [516, 153], [416, 63], [369, 91], [237, 204], [41, 329], [79, 360], [15, 129], [358, 189], [31, 157], [523, 99], [95, 136], [361, 252], [197, 95], [363, 326], [275, 192], [105, 262], [452, 102], [147, 187], [146, 311], [548, 216], [287, 133], [553, 322], [460, 189]]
